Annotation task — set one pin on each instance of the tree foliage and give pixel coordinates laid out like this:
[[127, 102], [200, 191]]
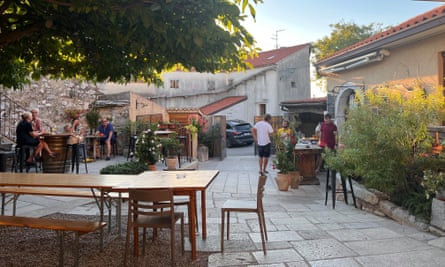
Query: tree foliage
[[343, 35], [120, 40]]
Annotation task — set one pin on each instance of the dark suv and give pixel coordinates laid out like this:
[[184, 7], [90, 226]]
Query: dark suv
[[238, 133]]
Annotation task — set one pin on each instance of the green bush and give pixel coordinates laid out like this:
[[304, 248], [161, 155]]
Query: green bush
[[386, 140], [133, 167]]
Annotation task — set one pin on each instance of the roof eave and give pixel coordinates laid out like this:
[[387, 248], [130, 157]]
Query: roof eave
[[429, 26]]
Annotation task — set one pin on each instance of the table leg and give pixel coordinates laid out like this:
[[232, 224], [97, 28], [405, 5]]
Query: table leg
[[102, 195], [203, 214], [193, 223], [334, 187]]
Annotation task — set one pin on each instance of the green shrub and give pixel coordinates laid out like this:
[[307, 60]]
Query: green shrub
[[133, 167], [387, 143]]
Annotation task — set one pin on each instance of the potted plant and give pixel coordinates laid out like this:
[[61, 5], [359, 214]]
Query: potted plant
[[284, 164], [148, 147], [92, 118], [171, 147]]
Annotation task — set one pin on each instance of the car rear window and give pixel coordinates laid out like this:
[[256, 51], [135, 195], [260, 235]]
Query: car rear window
[[243, 127]]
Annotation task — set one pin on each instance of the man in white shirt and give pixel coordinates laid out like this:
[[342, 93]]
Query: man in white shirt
[[262, 131]]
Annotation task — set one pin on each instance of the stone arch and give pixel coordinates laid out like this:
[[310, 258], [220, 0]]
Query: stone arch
[[343, 101]]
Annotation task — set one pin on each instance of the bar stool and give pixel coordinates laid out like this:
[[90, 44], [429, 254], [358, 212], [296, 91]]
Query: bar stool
[[22, 153], [76, 149], [4, 156], [334, 188], [131, 147]]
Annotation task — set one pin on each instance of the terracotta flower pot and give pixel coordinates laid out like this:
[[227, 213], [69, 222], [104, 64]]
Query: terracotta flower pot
[[152, 167], [294, 179], [282, 181], [171, 163]]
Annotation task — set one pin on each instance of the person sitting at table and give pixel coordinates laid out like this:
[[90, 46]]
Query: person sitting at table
[[35, 121], [105, 131], [27, 136]]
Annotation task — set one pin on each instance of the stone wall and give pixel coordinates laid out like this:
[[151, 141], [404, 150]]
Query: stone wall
[[52, 98]]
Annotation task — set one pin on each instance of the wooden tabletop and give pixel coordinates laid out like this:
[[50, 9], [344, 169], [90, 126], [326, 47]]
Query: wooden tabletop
[[58, 180], [189, 180], [192, 180]]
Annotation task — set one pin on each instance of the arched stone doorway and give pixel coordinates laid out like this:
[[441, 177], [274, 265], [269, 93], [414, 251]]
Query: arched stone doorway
[[345, 100]]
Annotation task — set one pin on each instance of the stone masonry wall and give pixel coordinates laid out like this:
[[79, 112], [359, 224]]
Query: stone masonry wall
[[52, 98]]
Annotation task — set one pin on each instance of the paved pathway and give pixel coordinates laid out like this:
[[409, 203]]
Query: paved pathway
[[302, 231]]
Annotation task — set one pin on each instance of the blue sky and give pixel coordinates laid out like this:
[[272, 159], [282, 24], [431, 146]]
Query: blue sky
[[308, 20]]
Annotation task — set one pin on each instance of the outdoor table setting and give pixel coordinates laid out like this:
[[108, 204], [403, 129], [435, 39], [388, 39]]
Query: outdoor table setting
[[182, 183]]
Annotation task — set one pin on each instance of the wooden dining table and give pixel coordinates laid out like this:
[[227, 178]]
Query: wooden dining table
[[182, 182]]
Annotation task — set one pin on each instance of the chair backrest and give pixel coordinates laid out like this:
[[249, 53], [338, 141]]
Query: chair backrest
[[260, 192], [151, 202]]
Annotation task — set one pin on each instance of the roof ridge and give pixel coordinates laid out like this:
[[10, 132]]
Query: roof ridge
[[414, 21]]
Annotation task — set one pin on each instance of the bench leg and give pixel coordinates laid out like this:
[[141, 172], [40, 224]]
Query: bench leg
[[76, 249], [60, 235]]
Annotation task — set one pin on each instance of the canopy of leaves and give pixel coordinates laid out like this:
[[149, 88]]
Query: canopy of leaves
[[343, 35], [120, 40]]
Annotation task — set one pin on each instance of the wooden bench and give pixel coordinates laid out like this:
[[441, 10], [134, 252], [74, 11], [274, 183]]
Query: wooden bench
[[59, 225], [66, 192]]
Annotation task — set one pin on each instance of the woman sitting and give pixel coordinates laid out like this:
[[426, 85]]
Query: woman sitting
[[27, 136]]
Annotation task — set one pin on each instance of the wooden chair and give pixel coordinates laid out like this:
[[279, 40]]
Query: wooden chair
[[232, 205], [152, 208], [180, 200]]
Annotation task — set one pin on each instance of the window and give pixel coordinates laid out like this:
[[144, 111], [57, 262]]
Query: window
[[262, 109], [211, 85], [174, 84], [293, 84]]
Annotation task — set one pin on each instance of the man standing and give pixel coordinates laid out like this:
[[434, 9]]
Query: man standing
[[262, 132], [328, 137]]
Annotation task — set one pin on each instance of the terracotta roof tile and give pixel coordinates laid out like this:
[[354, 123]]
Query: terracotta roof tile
[[222, 104], [413, 22], [273, 56]]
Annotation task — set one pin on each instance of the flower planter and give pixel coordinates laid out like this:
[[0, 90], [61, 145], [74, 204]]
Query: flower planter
[[295, 179], [152, 167], [282, 181], [171, 163]]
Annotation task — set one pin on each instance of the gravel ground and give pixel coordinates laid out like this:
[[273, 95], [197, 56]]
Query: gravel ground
[[35, 247]]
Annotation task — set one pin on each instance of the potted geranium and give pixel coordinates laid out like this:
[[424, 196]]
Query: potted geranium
[[148, 147]]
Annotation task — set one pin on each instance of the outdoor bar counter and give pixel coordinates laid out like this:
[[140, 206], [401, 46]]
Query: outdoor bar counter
[[58, 144], [305, 155]]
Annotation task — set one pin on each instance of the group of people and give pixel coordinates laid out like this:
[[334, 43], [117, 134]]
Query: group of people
[[29, 132], [262, 134]]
